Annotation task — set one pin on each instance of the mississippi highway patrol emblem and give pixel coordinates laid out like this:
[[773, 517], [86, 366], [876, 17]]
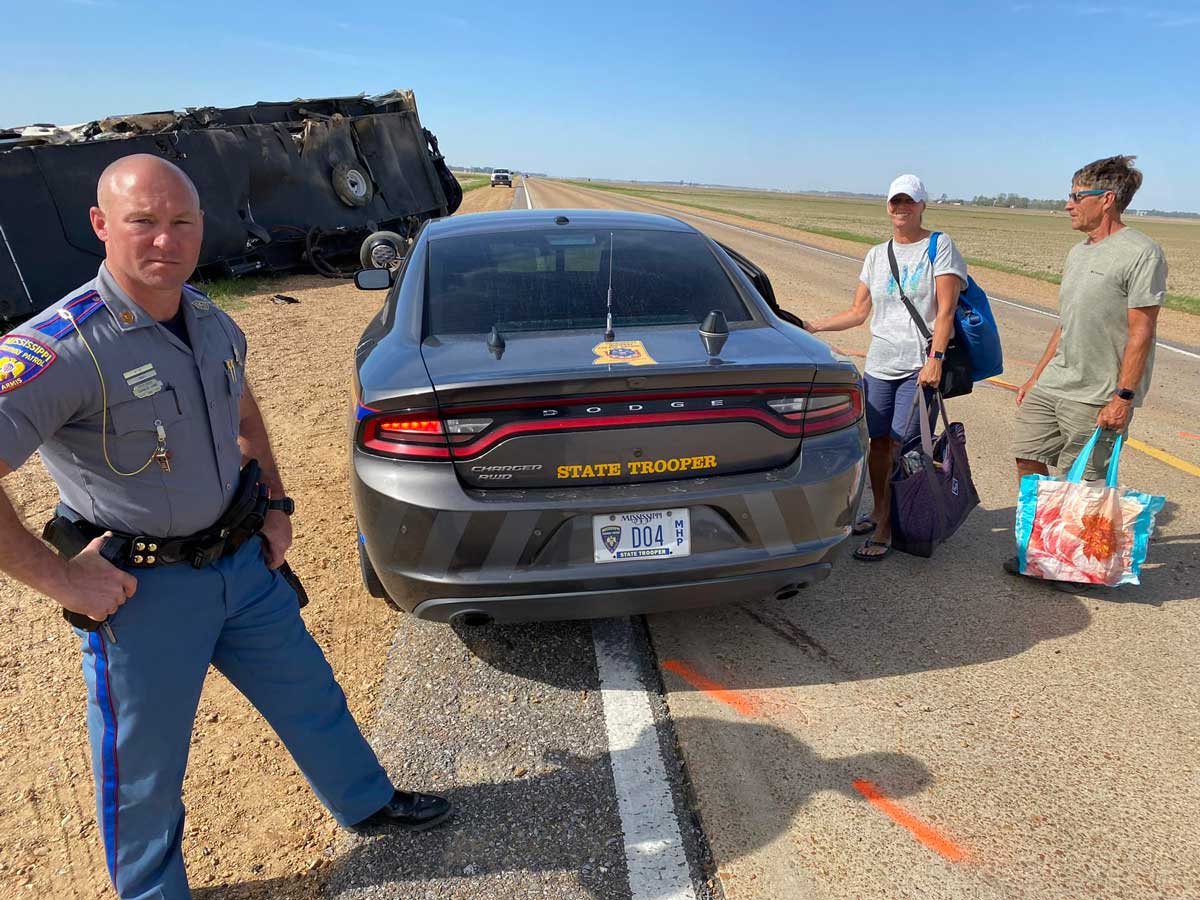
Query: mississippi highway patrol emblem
[[630, 353], [611, 535], [22, 359]]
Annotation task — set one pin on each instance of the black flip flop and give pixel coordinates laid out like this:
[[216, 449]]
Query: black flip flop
[[864, 525], [872, 557]]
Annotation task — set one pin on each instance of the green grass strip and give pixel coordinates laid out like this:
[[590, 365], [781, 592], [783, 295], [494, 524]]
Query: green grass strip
[[471, 182]]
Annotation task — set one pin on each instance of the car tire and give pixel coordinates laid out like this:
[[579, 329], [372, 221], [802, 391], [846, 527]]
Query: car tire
[[351, 184], [382, 250], [370, 580]]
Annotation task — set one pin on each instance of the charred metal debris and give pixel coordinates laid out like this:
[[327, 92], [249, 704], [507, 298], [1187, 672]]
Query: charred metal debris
[[331, 184]]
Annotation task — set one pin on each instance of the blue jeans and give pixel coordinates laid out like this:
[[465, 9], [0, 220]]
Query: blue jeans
[[890, 404]]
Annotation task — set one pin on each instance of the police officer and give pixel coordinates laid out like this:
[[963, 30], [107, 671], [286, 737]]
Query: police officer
[[133, 387]]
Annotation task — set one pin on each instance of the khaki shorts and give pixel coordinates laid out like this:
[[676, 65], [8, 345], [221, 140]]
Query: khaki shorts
[[1053, 430]]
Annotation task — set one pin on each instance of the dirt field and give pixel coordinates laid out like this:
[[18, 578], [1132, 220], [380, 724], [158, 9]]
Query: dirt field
[[253, 825], [1031, 241]]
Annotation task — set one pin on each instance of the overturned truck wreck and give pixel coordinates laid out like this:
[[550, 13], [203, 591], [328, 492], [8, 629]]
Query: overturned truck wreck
[[328, 184]]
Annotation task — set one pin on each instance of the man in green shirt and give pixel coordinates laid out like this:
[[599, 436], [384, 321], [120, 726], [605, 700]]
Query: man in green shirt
[[1096, 369]]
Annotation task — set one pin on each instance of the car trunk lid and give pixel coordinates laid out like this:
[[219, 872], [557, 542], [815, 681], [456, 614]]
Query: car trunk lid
[[547, 409]]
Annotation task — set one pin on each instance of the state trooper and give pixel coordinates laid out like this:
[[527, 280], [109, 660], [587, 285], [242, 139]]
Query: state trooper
[[133, 387]]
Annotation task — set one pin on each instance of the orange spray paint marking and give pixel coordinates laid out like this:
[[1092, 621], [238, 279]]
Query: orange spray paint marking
[[1003, 384], [1188, 434], [926, 834], [743, 703]]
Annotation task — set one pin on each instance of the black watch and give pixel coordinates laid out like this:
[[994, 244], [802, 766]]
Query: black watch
[[285, 505], [1124, 393]]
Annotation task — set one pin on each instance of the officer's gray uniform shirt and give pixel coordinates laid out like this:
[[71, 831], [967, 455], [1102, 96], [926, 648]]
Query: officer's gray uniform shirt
[[150, 376]]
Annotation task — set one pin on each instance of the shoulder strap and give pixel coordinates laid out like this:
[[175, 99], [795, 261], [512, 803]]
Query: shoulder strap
[[921, 326], [933, 248]]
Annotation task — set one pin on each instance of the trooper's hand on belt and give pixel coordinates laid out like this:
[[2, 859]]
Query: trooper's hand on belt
[[93, 586], [277, 537]]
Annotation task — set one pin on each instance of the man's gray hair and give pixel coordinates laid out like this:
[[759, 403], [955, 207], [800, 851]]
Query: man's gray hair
[[1116, 174]]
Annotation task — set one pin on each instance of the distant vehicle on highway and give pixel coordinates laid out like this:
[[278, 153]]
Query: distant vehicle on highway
[[502, 177], [577, 413]]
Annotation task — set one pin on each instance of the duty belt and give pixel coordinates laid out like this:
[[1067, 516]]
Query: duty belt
[[143, 551], [241, 521]]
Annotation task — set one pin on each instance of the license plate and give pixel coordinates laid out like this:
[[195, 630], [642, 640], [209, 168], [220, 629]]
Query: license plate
[[648, 534]]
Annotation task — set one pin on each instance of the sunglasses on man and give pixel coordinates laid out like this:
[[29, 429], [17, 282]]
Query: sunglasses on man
[[1076, 196]]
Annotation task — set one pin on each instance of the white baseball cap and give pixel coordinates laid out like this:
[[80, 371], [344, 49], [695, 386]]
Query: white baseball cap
[[910, 185]]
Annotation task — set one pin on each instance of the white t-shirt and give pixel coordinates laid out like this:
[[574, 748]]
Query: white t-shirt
[[897, 348]]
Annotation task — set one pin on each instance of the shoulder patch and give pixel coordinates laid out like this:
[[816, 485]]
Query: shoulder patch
[[22, 359], [80, 307]]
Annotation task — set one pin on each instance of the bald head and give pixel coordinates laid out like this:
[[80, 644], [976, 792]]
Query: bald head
[[148, 215], [126, 174]]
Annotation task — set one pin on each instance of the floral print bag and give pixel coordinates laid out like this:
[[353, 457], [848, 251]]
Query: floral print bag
[[1085, 532]]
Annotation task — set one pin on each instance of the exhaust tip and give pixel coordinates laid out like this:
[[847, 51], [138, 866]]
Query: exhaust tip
[[789, 592], [472, 618]]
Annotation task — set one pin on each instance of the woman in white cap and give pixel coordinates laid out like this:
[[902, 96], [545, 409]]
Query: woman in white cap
[[899, 358]]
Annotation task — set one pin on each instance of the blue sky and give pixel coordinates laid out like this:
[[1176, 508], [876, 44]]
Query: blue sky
[[976, 98]]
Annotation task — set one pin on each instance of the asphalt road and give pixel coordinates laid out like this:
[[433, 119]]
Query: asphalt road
[[915, 728], [936, 728]]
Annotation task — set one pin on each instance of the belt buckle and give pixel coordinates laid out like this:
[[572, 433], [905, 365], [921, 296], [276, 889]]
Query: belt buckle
[[205, 554], [142, 552]]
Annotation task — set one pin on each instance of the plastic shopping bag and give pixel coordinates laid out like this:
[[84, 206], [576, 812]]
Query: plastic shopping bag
[[1091, 533]]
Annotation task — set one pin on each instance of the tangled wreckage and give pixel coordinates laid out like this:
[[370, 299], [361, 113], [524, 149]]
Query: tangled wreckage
[[327, 183]]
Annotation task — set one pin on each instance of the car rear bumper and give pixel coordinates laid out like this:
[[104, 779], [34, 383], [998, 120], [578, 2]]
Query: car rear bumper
[[622, 601], [440, 550]]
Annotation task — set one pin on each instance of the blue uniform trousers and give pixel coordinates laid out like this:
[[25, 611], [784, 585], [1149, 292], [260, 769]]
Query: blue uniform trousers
[[143, 691]]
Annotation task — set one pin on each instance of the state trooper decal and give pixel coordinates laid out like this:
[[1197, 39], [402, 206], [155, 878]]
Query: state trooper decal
[[611, 535]]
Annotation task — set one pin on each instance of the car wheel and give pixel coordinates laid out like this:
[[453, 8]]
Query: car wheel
[[382, 250], [370, 580], [351, 184]]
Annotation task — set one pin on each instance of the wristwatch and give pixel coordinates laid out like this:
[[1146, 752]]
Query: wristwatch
[[936, 354], [1124, 393], [285, 505]]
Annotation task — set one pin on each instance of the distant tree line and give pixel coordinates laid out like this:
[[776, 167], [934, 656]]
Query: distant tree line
[[1016, 201]]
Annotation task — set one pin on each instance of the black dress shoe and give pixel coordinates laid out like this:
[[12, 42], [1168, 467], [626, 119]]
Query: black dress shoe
[[408, 810]]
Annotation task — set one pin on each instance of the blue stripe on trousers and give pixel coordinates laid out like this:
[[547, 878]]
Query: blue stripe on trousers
[[111, 775]]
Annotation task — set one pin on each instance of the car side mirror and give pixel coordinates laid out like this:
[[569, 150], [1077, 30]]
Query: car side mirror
[[373, 279]]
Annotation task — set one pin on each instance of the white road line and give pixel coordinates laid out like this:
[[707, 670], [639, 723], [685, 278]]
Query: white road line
[[657, 863], [810, 247], [528, 195]]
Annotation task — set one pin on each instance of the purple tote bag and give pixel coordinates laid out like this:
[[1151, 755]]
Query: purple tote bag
[[932, 491]]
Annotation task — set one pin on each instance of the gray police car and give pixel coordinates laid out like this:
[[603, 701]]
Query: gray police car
[[573, 413]]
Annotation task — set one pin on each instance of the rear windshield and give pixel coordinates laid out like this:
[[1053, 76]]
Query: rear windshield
[[558, 280]]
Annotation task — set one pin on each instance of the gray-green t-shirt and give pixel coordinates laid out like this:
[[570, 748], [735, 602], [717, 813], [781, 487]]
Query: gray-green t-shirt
[[1101, 282]]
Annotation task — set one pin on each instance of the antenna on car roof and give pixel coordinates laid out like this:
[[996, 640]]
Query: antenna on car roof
[[608, 328]]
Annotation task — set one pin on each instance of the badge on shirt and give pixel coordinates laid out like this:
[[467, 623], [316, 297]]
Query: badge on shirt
[[22, 359], [144, 381]]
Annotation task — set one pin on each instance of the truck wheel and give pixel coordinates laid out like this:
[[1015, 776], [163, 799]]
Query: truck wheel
[[370, 580], [382, 250], [351, 185]]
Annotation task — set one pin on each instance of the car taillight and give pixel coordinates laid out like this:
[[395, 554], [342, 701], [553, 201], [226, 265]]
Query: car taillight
[[405, 436], [417, 436], [822, 409]]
